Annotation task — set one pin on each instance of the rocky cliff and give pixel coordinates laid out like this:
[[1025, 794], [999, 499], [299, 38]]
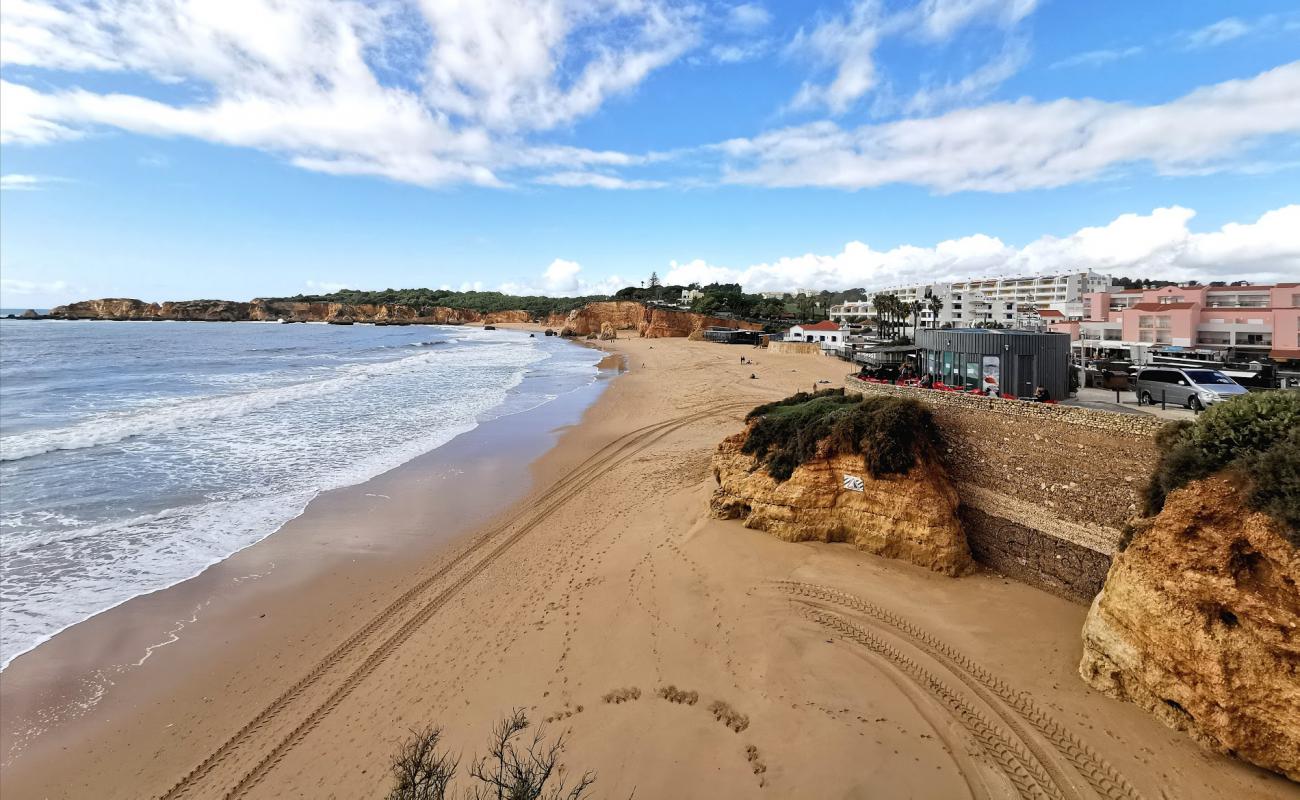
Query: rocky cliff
[[589, 319], [287, 310], [1199, 623], [648, 321], [911, 516]]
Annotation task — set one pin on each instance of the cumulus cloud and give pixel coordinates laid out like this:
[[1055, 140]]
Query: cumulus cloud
[[1156, 245], [435, 93], [563, 278], [1004, 147]]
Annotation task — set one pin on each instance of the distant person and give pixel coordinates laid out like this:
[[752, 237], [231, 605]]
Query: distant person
[[927, 380], [1041, 395]]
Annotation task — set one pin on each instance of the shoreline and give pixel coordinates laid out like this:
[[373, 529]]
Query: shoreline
[[609, 575], [80, 663]]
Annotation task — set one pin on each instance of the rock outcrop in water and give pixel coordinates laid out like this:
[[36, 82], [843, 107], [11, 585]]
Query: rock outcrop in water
[[912, 517], [591, 319], [1199, 623]]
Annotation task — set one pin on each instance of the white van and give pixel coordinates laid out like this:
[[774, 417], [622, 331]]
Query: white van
[[1185, 386]]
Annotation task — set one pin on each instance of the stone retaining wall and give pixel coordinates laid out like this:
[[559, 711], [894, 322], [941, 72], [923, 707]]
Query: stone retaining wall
[[809, 348], [1045, 489]]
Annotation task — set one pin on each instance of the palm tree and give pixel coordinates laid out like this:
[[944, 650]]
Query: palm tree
[[916, 317], [936, 306]]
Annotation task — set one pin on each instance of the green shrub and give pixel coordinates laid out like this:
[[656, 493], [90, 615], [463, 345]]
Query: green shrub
[[1275, 484], [1257, 435], [888, 432]]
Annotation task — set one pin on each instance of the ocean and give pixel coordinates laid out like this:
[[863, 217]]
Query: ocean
[[135, 454]]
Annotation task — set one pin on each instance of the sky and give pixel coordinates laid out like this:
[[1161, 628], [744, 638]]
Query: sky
[[184, 149]]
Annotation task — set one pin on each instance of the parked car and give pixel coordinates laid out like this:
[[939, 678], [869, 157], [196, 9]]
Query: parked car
[[1194, 388]]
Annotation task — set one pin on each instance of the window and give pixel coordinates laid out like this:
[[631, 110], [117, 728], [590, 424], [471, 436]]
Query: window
[[1214, 337], [1157, 322], [1208, 377], [972, 372], [1171, 299], [1255, 339]]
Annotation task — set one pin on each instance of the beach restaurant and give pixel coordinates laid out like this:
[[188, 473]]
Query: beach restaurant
[[1012, 362]]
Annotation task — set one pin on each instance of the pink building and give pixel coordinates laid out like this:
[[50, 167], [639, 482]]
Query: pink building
[[1231, 322]]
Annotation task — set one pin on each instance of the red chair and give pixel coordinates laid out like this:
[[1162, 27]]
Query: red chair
[[1006, 396]]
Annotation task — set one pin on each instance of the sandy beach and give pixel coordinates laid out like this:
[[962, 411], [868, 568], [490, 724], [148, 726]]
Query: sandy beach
[[578, 581]]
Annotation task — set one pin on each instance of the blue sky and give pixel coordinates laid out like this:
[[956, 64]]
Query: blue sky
[[168, 150]]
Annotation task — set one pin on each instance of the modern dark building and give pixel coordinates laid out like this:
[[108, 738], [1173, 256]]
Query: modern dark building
[[733, 336], [1014, 361]]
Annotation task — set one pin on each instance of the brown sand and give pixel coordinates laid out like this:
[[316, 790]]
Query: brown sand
[[818, 671]]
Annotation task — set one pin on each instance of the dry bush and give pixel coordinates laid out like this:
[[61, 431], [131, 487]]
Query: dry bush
[[674, 695], [515, 767], [624, 695], [729, 716], [420, 771]]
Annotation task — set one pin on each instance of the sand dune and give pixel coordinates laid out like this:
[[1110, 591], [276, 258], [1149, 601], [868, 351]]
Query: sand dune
[[681, 656]]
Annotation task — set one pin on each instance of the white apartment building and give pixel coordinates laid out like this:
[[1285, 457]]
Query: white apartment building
[[1011, 302]]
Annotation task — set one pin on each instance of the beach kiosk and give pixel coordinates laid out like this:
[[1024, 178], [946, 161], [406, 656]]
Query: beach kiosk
[[1008, 362]]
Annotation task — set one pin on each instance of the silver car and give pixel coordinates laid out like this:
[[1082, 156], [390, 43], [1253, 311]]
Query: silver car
[[1193, 387]]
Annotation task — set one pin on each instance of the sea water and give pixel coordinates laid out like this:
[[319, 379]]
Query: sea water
[[135, 454]]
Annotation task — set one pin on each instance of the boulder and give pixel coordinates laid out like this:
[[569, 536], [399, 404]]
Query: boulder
[[1199, 623], [911, 517], [607, 332]]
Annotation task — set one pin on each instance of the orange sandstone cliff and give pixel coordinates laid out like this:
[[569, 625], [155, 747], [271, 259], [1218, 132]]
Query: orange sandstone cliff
[[649, 322], [593, 318], [1199, 623], [911, 517]]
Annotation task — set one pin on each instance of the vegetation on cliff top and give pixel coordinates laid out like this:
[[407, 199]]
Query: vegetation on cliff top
[[483, 302], [1256, 436], [889, 432]]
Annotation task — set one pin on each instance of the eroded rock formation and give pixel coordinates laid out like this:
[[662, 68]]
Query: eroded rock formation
[[649, 322], [1199, 623], [287, 310], [591, 319], [911, 517]]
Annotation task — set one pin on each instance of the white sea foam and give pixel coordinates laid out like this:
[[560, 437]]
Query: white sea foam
[[173, 415], [188, 482]]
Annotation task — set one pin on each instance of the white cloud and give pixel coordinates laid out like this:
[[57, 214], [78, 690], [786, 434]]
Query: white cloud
[[940, 19], [1156, 245], [1025, 145], [1225, 30], [595, 180], [748, 17], [506, 64], [438, 94], [846, 44], [19, 182], [1096, 58], [563, 278], [974, 86]]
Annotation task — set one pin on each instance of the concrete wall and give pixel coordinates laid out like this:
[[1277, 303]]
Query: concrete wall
[[1045, 489]]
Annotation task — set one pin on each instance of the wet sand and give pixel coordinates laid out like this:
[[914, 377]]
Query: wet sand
[[840, 674]]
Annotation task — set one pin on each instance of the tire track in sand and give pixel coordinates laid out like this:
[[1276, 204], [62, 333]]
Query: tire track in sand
[[1006, 752], [553, 498], [1104, 779]]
